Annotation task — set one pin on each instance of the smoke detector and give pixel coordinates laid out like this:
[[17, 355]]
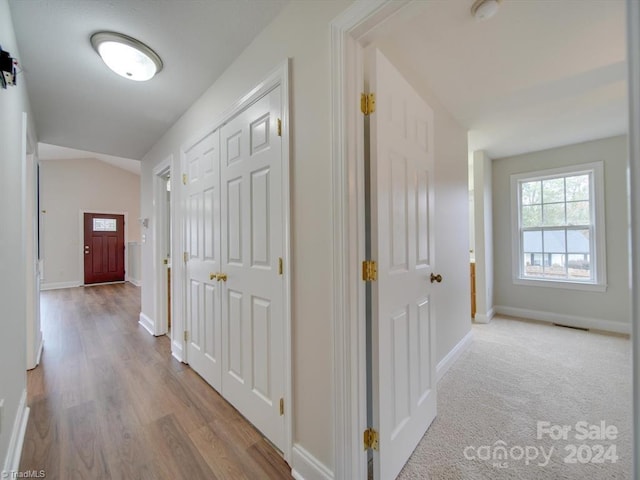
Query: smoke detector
[[484, 9]]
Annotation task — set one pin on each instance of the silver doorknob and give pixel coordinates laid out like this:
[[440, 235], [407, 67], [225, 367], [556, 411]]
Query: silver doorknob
[[436, 278]]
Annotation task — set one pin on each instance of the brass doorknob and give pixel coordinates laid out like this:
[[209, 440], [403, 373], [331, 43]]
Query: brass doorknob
[[213, 276], [436, 278], [222, 276]]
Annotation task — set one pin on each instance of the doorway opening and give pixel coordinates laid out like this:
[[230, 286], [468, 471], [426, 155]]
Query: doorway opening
[[162, 247], [359, 27], [166, 243]]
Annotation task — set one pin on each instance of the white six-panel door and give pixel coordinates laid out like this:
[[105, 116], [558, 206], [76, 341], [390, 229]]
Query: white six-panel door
[[235, 242], [252, 245], [202, 236], [403, 353]]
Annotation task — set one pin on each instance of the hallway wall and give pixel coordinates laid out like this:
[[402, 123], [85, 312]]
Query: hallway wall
[[300, 32], [14, 101]]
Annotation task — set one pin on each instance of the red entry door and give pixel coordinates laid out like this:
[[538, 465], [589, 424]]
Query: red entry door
[[103, 248]]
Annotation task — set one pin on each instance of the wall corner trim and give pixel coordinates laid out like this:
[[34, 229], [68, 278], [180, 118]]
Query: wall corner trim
[[146, 322], [12, 460], [450, 358], [176, 351], [485, 318], [308, 467], [39, 352]]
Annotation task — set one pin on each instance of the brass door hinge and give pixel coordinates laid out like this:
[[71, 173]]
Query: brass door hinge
[[281, 406], [186, 335], [280, 266], [185, 257], [370, 439], [184, 178], [368, 103], [279, 127], [369, 271]]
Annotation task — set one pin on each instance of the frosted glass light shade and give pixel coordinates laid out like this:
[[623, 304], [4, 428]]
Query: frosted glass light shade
[[126, 56]]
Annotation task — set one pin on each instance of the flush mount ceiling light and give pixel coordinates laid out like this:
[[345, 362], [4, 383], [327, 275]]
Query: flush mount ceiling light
[[126, 56], [484, 9]]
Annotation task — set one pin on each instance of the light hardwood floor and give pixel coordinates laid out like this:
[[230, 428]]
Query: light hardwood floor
[[109, 402]]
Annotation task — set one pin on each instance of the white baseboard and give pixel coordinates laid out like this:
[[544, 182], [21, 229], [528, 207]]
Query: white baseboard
[[40, 348], [135, 282], [307, 467], [562, 319], [147, 323], [450, 358], [39, 354], [59, 285], [485, 318], [176, 351], [12, 460]]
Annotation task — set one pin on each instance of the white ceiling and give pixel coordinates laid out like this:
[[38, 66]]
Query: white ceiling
[[541, 73], [537, 75], [77, 102]]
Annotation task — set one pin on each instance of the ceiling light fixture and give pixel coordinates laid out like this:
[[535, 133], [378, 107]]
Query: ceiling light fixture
[[484, 9], [128, 57]]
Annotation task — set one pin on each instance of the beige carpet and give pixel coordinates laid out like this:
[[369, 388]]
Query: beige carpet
[[514, 375]]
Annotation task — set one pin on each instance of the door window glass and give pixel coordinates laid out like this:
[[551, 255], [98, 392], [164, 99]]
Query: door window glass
[[104, 225]]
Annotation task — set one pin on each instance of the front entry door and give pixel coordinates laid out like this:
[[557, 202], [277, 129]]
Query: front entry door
[[103, 248], [403, 350]]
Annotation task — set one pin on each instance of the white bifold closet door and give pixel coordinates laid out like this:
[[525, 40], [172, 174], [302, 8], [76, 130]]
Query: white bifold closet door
[[235, 234], [202, 235]]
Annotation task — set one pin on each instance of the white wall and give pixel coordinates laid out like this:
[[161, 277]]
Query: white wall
[[66, 188], [483, 227], [300, 32], [606, 310], [13, 102], [452, 297]]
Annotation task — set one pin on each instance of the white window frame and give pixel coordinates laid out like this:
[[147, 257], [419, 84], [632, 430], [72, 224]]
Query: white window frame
[[598, 254]]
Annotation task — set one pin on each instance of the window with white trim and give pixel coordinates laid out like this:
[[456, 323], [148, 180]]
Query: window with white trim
[[559, 227]]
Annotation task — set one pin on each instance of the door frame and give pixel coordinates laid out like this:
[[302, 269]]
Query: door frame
[[350, 32], [279, 76], [81, 242], [633, 72], [160, 317], [30, 192]]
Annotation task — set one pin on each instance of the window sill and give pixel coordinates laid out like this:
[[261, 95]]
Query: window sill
[[585, 287]]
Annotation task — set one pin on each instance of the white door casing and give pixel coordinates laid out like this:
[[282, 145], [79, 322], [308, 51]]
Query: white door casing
[[252, 245], [202, 222], [402, 242]]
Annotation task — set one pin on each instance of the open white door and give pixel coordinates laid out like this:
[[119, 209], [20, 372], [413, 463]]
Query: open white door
[[403, 351], [204, 343]]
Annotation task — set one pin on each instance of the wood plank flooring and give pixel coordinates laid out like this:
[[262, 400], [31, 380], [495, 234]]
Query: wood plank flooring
[[109, 402]]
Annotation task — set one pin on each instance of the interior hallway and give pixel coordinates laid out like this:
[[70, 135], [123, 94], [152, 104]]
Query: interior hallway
[[109, 402]]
